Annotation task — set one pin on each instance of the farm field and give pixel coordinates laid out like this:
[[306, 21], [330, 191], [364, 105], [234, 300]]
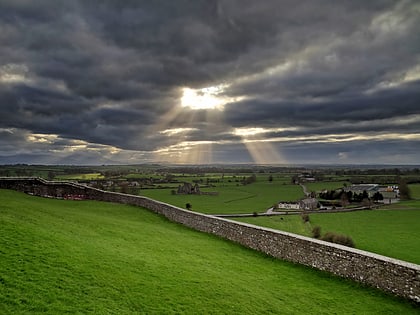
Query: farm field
[[88, 176], [318, 186], [61, 256], [415, 191], [231, 198], [393, 233]]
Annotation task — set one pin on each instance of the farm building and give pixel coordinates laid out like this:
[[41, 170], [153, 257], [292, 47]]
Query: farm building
[[371, 189], [388, 192], [289, 205], [304, 204]]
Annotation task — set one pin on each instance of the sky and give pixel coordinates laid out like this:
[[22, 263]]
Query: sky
[[202, 82]]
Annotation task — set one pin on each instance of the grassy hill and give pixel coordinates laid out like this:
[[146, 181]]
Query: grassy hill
[[91, 257]]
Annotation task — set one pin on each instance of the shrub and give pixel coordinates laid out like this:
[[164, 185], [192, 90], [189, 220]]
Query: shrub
[[305, 217], [316, 232], [338, 239]]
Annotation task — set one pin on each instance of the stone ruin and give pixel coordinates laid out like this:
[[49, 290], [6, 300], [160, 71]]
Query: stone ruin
[[188, 189]]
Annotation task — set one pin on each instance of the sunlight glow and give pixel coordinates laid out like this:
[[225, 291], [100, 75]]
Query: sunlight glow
[[41, 138], [7, 130], [244, 132], [187, 152], [174, 131], [206, 98], [247, 132], [14, 73], [198, 110], [337, 138]]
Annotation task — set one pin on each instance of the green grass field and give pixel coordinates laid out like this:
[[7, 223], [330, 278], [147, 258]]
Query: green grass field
[[89, 176], [91, 257], [287, 223], [232, 198], [414, 191], [318, 186], [393, 233]]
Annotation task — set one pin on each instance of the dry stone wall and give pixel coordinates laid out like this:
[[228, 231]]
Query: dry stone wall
[[391, 275]]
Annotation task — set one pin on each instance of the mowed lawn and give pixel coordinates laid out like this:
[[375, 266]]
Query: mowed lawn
[[88, 257]]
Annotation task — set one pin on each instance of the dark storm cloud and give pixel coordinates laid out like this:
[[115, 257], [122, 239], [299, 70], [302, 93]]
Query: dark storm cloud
[[391, 103], [110, 73]]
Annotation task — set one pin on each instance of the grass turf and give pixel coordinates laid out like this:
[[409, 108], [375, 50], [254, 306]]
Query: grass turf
[[393, 233], [85, 257]]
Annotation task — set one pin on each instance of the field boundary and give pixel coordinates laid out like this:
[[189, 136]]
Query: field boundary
[[391, 275]]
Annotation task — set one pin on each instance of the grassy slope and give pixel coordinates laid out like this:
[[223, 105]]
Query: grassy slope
[[91, 257]]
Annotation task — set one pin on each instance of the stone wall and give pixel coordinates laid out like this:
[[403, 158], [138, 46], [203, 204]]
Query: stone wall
[[391, 275]]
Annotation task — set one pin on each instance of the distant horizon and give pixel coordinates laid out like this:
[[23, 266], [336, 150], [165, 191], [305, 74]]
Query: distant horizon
[[361, 165]]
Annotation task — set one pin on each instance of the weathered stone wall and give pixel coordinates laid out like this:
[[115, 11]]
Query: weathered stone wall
[[391, 275]]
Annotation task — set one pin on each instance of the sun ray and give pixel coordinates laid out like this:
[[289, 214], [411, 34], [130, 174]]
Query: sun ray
[[197, 112], [263, 152], [186, 152], [199, 154], [165, 121]]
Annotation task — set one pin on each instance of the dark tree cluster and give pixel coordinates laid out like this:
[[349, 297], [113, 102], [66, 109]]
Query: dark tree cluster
[[349, 196], [249, 180]]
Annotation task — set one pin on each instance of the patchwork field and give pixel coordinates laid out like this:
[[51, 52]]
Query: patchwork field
[[86, 257], [232, 198]]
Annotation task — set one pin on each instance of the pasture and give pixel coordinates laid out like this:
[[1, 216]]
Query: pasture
[[319, 186], [415, 191], [87, 176], [391, 232], [232, 198], [88, 257]]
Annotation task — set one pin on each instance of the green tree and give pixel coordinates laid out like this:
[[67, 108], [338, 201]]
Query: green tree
[[51, 175], [344, 199], [404, 190], [124, 188], [316, 232], [378, 196]]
